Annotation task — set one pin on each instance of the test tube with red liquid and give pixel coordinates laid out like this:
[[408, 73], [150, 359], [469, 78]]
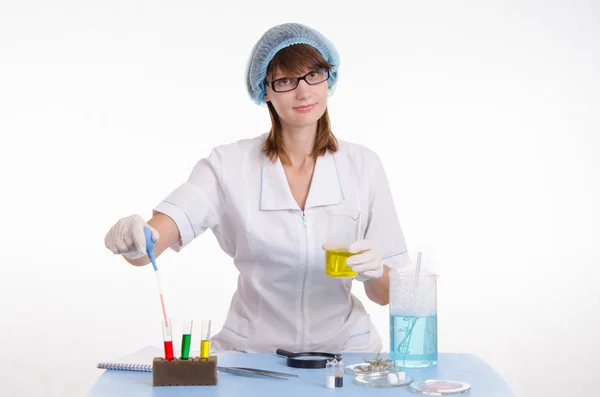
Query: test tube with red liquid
[[168, 340]]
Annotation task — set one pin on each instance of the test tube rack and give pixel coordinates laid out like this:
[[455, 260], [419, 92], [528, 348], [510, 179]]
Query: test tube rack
[[191, 372]]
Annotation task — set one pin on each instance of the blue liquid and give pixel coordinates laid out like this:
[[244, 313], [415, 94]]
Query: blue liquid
[[413, 341]]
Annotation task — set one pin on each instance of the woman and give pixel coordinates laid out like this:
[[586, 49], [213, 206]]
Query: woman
[[266, 198]]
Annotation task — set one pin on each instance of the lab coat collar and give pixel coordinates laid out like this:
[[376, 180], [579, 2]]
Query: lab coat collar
[[325, 187]]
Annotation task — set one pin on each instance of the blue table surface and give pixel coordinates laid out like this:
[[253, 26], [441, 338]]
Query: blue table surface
[[468, 368]]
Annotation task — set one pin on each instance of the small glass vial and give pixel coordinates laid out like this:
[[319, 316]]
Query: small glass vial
[[330, 370], [339, 373]]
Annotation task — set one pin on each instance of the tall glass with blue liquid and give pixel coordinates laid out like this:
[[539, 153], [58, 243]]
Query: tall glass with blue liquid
[[413, 319]]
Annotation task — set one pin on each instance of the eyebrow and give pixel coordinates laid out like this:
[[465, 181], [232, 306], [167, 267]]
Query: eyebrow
[[280, 75]]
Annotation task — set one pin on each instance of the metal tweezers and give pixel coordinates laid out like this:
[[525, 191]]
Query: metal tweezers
[[254, 373]]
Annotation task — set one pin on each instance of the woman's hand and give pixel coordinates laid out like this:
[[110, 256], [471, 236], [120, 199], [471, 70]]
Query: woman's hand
[[367, 263], [127, 237]]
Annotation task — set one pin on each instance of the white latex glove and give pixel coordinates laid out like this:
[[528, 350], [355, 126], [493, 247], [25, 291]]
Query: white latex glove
[[367, 263], [127, 237]]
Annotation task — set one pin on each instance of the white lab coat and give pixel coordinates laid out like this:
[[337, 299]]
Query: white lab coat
[[284, 299]]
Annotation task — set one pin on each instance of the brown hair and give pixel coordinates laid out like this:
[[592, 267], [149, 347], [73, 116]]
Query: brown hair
[[291, 60]]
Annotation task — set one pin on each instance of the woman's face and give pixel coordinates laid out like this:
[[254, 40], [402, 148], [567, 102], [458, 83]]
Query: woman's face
[[301, 106]]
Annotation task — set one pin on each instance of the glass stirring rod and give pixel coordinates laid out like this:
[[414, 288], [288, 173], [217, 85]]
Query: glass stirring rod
[[150, 252]]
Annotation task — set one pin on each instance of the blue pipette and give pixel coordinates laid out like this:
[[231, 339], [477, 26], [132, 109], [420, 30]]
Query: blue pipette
[[150, 246], [150, 252]]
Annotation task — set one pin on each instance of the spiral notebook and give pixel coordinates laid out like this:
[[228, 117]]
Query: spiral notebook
[[140, 361]]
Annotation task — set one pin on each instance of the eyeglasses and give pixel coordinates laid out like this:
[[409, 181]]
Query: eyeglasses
[[290, 83]]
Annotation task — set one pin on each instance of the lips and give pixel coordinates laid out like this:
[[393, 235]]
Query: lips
[[304, 108]]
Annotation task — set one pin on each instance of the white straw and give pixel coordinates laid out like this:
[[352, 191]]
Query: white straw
[[418, 269]]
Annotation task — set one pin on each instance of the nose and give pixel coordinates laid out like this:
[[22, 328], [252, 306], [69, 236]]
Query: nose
[[303, 90]]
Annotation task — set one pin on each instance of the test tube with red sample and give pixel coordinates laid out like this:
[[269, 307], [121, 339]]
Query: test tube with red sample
[[168, 340]]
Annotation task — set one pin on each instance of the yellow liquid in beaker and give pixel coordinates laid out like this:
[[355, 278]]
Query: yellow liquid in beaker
[[335, 264]]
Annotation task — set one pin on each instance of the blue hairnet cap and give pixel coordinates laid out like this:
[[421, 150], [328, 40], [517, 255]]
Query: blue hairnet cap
[[277, 38]]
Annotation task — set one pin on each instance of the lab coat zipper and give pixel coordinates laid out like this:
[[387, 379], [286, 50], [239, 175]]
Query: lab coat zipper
[[302, 348]]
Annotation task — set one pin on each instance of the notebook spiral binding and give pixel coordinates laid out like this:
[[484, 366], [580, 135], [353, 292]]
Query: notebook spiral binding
[[126, 367]]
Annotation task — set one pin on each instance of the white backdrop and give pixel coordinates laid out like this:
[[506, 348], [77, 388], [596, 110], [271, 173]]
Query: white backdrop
[[485, 114]]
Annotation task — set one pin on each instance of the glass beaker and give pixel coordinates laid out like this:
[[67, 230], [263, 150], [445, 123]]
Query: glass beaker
[[343, 227], [413, 319]]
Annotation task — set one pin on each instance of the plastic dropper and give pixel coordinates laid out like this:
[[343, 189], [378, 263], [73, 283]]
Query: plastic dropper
[[150, 251]]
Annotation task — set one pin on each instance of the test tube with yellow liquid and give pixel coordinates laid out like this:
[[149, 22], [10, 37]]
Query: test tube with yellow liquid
[[205, 340], [343, 229]]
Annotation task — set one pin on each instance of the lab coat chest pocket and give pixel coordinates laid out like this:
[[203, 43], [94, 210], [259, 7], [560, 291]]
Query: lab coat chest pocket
[[321, 219], [273, 238]]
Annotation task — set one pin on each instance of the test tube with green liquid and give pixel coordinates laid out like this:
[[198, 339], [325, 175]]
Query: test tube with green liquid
[[186, 339]]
